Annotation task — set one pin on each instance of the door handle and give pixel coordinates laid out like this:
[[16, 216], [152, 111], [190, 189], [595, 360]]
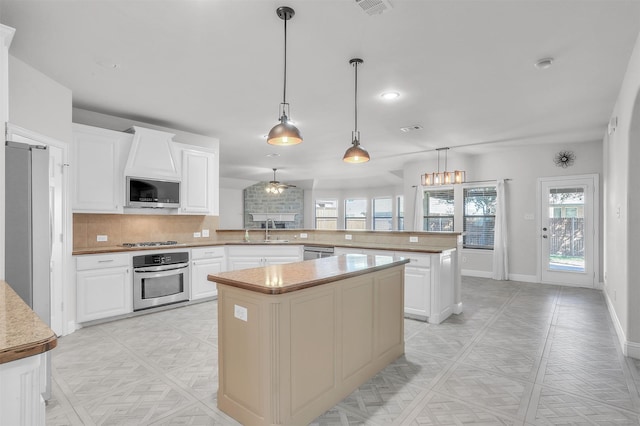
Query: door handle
[[544, 229], [544, 236]]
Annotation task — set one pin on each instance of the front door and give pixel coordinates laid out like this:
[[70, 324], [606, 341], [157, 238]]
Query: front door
[[568, 230]]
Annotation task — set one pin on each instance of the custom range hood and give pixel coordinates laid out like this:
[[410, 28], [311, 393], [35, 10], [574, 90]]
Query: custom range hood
[[151, 173], [152, 155]]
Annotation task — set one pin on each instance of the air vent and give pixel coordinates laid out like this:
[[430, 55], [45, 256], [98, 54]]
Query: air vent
[[411, 128], [374, 7]]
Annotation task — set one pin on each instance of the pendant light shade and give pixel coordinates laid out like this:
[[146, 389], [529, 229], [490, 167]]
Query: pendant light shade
[[284, 133], [356, 153], [443, 178]]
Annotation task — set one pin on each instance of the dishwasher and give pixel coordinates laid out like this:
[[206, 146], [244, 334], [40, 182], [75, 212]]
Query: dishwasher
[[316, 252]]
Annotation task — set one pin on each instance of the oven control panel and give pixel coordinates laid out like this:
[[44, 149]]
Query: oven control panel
[[160, 259]]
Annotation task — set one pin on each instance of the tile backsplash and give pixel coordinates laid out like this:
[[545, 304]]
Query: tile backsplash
[[125, 228]]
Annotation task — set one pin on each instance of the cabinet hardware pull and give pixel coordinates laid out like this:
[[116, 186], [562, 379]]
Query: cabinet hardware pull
[[105, 261]]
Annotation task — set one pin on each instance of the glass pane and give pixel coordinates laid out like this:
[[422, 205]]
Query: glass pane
[[438, 203], [326, 214], [355, 212], [400, 213], [438, 224], [382, 214], [566, 230], [479, 217]]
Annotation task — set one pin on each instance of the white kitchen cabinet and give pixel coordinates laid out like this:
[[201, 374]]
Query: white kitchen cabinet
[[205, 261], [417, 286], [200, 181], [254, 256], [104, 286], [22, 383], [97, 165]]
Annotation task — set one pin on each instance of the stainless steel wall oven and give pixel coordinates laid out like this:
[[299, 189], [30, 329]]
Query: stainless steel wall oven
[[160, 279]]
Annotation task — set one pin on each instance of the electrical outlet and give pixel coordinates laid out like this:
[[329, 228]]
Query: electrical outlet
[[303, 235], [348, 237], [413, 239], [102, 238], [205, 233], [240, 312], [197, 235]]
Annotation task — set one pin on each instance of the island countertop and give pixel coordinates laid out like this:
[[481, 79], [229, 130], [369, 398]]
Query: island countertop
[[285, 278], [23, 333]]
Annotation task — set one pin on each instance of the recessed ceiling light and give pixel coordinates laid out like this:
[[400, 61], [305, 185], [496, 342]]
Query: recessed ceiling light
[[273, 155], [387, 96], [544, 63], [411, 128]]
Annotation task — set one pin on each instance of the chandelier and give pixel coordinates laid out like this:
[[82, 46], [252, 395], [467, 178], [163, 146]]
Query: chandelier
[[445, 177]]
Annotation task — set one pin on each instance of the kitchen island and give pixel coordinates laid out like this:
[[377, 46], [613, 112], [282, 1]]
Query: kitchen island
[[295, 339], [24, 339]]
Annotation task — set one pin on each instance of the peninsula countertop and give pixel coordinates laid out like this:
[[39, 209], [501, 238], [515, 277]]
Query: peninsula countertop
[[285, 278], [23, 333]]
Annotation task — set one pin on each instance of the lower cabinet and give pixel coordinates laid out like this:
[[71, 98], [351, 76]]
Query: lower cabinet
[[255, 256], [428, 282], [104, 286], [205, 261], [22, 384]]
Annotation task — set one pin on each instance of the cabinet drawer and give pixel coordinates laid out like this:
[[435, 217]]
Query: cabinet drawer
[[101, 261], [207, 252], [418, 260]]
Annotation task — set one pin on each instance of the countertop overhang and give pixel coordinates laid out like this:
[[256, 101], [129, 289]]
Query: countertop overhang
[[23, 333], [285, 278]]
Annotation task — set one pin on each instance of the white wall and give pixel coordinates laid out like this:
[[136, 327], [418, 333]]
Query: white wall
[[38, 103], [231, 208], [523, 165], [622, 210]]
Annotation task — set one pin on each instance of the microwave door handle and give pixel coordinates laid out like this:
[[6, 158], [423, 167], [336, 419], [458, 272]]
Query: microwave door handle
[[162, 268]]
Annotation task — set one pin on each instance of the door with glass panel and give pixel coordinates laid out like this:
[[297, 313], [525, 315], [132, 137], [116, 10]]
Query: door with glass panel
[[568, 230]]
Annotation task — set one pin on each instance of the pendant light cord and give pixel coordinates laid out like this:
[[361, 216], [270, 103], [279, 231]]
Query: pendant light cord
[[356, 99], [284, 91]]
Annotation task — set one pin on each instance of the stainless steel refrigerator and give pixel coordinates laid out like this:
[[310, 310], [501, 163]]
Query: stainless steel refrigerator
[[27, 220]]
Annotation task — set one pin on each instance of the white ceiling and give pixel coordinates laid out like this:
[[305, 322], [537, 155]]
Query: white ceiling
[[464, 70]]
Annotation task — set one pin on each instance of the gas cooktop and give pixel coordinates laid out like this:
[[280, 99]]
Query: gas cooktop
[[150, 244]]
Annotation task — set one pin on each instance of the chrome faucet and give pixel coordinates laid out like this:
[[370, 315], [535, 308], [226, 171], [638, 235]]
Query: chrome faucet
[[266, 228]]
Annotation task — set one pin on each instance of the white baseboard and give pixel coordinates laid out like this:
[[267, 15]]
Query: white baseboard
[[474, 273], [523, 278], [489, 274], [630, 349]]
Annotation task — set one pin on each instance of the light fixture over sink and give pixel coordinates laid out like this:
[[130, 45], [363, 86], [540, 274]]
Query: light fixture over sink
[[284, 133], [356, 153]]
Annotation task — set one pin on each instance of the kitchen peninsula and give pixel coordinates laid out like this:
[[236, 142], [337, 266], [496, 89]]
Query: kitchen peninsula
[[24, 339], [295, 339]]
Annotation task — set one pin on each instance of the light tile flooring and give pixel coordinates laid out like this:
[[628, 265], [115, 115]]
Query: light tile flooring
[[519, 354]]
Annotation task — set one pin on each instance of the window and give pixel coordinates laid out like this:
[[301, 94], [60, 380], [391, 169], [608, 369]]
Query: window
[[400, 210], [479, 217], [438, 210], [355, 214], [326, 214], [382, 214]]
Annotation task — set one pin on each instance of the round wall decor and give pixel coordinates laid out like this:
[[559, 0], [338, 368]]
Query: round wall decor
[[564, 159]]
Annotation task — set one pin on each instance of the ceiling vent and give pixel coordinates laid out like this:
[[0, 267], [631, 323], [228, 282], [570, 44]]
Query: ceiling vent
[[374, 7], [411, 128]]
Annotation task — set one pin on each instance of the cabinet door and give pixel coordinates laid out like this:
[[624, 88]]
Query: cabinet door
[[103, 293], [196, 182], [97, 170], [279, 260], [237, 263], [200, 286], [417, 291]]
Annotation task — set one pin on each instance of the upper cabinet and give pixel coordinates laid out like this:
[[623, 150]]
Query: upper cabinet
[[102, 159], [97, 169], [200, 181]]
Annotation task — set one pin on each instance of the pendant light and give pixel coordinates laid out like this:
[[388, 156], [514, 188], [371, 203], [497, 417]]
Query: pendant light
[[284, 133], [443, 178], [356, 153]]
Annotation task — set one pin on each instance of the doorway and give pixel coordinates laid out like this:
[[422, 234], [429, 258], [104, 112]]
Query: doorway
[[568, 242]]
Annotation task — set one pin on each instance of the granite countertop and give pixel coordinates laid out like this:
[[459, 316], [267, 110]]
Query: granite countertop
[[373, 246], [285, 278], [23, 333]]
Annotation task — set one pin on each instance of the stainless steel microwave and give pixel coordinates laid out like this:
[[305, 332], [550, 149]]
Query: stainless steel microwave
[[152, 193]]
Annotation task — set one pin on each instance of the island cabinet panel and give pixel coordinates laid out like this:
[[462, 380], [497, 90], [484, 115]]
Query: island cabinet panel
[[313, 323], [287, 358]]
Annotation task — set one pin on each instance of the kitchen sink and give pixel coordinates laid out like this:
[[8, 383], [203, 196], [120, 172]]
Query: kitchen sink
[[274, 241]]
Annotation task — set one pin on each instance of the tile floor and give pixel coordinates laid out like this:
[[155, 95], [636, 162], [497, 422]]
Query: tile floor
[[520, 354]]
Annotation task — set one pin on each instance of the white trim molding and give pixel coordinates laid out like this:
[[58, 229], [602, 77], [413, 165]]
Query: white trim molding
[[630, 349]]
